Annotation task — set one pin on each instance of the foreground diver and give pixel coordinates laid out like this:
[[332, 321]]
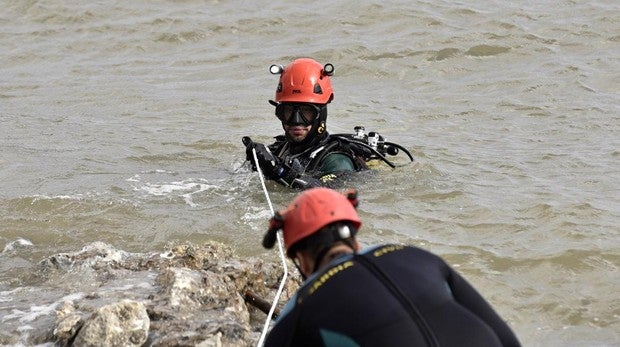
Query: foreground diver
[[307, 155], [389, 295]]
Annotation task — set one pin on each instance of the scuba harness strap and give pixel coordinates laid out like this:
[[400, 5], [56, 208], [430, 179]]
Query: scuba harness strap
[[360, 147], [410, 307], [367, 261], [330, 157], [309, 160]]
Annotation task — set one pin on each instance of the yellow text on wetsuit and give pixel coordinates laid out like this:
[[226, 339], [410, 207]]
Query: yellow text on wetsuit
[[326, 276], [387, 249]]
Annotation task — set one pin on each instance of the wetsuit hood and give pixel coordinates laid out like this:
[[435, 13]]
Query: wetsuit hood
[[317, 133]]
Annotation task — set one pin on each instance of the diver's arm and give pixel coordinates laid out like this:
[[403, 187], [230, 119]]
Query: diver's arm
[[335, 163]]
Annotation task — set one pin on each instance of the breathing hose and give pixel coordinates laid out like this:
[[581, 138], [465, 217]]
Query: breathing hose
[[374, 151]]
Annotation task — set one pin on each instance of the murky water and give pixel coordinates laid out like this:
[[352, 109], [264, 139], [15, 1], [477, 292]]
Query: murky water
[[122, 122]]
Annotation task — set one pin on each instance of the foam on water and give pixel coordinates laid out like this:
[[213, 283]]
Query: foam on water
[[36, 311], [16, 244]]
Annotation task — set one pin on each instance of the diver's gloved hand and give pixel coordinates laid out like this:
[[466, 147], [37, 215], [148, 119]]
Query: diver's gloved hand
[[249, 145], [271, 166], [269, 163], [266, 160]]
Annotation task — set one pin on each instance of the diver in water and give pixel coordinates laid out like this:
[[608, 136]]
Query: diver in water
[[307, 155]]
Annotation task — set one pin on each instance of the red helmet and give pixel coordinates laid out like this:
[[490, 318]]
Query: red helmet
[[311, 211], [304, 80]]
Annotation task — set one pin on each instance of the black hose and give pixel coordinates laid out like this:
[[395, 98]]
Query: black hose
[[401, 148], [350, 137]]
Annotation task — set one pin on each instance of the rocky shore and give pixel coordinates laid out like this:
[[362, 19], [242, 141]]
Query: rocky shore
[[189, 295]]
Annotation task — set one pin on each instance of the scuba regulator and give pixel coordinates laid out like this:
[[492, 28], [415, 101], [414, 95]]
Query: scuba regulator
[[374, 144]]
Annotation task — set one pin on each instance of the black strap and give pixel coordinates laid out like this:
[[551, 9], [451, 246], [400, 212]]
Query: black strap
[[413, 311]]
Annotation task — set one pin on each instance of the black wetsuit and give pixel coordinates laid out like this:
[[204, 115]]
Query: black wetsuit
[[389, 296], [320, 163]]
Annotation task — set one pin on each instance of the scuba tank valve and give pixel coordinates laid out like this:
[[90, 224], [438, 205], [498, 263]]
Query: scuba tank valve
[[360, 133], [373, 140]]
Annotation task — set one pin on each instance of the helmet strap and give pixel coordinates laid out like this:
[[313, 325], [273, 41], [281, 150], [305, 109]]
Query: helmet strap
[[320, 243], [319, 258], [301, 273], [340, 234]]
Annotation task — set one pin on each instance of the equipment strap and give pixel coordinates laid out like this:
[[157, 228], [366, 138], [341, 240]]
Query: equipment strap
[[413, 311]]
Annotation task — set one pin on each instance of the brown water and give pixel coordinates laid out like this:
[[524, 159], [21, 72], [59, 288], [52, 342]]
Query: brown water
[[122, 122]]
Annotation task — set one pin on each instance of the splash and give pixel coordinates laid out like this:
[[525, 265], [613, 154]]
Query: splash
[[19, 243]]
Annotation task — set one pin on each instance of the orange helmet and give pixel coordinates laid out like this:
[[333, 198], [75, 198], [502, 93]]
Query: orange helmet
[[311, 211], [304, 80]]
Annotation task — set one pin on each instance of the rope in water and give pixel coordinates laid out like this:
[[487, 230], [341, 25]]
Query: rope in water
[[281, 288]]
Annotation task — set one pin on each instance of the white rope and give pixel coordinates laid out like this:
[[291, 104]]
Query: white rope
[[276, 299]]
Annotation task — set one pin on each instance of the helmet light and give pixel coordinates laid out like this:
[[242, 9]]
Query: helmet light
[[276, 69], [328, 69]]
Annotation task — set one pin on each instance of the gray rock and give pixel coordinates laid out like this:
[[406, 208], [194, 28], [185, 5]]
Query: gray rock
[[68, 323], [125, 323], [188, 295]]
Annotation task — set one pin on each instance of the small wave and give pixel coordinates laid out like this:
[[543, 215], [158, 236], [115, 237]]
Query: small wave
[[19, 243], [392, 55], [438, 196], [185, 189], [575, 212], [486, 50], [39, 197], [160, 158], [168, 188], [256, 218], [52, 209], [43, 203], [444, 54], [138, 177], [44, 13], [187, 36]]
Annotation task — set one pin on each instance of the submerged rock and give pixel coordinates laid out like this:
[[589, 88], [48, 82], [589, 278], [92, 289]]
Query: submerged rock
[[188, 295]]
